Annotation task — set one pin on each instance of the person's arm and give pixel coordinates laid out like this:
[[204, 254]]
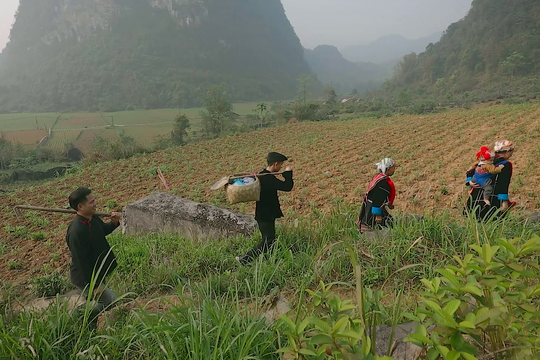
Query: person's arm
[[109, 227], [392, 196], [493, 169], [272, 183], [79, 244], [470, 174], [379, 196], [503, 182]]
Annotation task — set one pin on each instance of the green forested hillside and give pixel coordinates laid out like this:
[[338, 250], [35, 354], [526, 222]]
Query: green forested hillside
[[109, 55], [493, 52]]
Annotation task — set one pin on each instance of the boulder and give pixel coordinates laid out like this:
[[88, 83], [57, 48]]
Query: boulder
[[533, 217], [166, 213], [399, 350]]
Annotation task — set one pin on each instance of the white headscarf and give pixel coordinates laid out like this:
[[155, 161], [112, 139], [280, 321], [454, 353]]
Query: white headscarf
[[385, 164]]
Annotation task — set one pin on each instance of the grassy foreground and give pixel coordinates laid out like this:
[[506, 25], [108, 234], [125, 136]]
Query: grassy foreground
[[211, 308]]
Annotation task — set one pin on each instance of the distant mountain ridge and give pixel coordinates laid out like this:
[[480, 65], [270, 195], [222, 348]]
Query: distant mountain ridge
[[107, 55], [388, 48], [334, 70]]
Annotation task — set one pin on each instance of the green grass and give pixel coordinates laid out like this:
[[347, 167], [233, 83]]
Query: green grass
[[143, 125], [27, 121], [214, 306]]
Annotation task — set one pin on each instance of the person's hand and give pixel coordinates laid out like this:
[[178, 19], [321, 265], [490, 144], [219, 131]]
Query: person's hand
[[116, 217], [288, 168], [473, 184], [378, 219], [391, 206], [357, 223]]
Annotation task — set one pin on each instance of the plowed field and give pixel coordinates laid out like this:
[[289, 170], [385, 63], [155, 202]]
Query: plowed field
[[333, 162]]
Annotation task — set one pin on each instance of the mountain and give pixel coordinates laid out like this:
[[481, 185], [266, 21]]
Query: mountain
[[67, 55], [388, 48], [333, 69], [492, 53]]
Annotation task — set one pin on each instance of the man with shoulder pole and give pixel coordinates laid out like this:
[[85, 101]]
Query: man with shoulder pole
[[92, 257], [268, 209]]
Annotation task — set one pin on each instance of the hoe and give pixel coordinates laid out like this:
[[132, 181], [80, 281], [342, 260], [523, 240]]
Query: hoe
[[65, 211]]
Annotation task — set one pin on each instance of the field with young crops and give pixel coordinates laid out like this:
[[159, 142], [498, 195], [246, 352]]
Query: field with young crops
[[333, 163], [143, 125]]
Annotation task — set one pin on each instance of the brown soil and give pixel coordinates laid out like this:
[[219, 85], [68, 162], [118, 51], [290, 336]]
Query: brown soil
[[25, 137], [332, 161]]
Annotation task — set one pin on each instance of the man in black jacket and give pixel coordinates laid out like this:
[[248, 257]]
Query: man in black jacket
[[92, 257], [268, 209]]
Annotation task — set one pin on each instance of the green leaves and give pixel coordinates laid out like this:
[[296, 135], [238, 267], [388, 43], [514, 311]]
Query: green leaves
[[492, 298]]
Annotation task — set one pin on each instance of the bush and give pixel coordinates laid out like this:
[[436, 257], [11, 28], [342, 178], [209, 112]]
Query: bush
[[50, 285], [489, 301]]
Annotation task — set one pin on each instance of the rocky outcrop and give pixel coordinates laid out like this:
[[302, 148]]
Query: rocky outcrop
[[186, 12], [165, 213], [399, 349], [81, 18]]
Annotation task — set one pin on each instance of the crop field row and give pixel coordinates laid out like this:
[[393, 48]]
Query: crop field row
[[145, 126], [333, 163]]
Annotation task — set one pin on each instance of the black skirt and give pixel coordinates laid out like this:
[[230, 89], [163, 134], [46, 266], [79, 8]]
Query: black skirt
[[367, 218], [483, 212]]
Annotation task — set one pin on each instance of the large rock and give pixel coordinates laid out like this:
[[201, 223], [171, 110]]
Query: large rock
[[399, 349], [165, 213]]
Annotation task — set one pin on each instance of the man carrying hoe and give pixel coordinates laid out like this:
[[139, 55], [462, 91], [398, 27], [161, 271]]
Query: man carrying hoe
[[268, 209], [92, 257]]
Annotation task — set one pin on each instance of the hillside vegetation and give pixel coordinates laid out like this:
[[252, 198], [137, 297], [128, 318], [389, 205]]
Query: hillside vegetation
[[492, 53], [67, 55]]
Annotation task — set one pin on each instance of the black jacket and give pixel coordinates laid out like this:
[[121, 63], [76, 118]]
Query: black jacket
[[268, 207], [502, 180], [89, 250]]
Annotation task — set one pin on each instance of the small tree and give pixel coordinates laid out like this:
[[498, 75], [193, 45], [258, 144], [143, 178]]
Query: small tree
[[6, 153], [219, 112], [180, 128], [304, 83], [260, 110], [331, 96]]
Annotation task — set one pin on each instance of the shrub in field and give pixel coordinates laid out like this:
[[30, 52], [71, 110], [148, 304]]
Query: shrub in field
[[489, 302], [339, 328], [50, 285]]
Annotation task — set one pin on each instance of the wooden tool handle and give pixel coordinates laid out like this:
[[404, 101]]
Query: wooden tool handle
[[253, 175], [65, 211]]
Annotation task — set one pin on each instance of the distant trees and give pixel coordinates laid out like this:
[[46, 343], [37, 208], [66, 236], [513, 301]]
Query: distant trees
[[180, 128], [219, 112], [515, 64], [331, 96], [304, 83], [496, 43]]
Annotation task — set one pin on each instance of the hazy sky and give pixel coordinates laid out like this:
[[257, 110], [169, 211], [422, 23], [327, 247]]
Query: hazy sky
[[341, 22]]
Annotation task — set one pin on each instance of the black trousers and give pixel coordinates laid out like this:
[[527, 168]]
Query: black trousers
[[268, 232]]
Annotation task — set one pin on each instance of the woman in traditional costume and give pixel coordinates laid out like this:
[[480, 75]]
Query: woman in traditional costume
[[500, 202], [380, 196]]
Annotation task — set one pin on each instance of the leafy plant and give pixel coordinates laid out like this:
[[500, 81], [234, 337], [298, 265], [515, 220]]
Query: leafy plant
[[336, 327], [14, 265], [487, 303], [50, 285], [17, 231], [37, 236]]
